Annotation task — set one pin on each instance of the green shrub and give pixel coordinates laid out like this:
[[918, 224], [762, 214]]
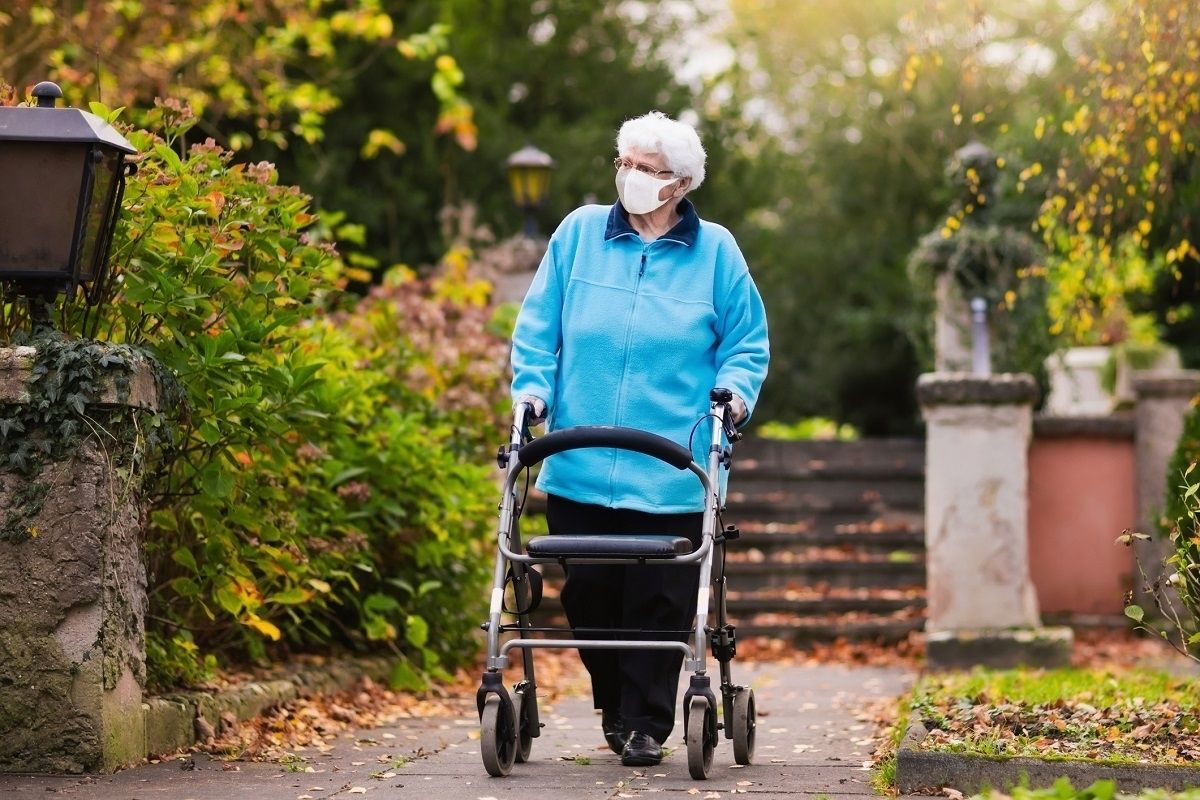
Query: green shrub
[[326, 484], [1175, 592], [809, 428], [1187, 452]]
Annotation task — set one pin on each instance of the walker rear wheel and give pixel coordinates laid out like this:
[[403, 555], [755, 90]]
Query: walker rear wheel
[[497, 737], [700, 744], [743, 726], [524, 736]]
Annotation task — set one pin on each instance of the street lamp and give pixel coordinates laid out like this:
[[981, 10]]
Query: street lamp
[[62, 176], [529, 176]]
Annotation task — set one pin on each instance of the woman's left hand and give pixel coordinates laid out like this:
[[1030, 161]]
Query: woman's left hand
[[738, 407]]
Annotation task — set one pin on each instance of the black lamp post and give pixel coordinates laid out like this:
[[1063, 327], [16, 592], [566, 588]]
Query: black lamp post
[[529, 176], [62, 176]]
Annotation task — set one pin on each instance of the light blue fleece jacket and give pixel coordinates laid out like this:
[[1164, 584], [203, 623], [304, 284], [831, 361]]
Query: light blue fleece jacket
[[617, 331]]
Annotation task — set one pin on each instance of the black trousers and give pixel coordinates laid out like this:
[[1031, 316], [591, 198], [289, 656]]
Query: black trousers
[[641, 684]]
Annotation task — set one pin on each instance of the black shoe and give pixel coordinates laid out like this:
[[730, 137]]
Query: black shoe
[[614, 731], [641, 751]]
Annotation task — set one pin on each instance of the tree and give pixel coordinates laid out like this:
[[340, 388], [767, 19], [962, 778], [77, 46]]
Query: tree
[[562, 74], [857, 111], [1120, 211], [267, 65]]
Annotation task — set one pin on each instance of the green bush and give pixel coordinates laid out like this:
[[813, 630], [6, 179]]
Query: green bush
[[810, 428], [1174, 592], [1187, 452], [326, 484]]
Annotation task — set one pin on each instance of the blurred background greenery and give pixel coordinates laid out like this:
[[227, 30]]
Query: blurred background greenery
[[828, 125], [291, 515]]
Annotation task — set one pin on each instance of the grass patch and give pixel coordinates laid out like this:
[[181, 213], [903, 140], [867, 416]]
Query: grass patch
[[1110, 716], [883, 774], [1100, 790], [1034, 687]]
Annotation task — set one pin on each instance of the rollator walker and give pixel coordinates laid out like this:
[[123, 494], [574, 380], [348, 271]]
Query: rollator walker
[[509, 721]]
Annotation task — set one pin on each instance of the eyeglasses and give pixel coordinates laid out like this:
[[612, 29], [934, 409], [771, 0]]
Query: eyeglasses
[[624, 163]]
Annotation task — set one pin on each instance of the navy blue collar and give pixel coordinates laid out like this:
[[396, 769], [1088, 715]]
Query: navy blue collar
[[684, 232]]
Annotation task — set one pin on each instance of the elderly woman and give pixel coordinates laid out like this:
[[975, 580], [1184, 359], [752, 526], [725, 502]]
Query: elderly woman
[[637, 310]]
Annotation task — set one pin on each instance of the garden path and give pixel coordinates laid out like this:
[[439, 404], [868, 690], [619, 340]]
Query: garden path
[[815, 739]]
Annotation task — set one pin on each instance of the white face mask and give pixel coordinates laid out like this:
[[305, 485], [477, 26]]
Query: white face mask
[[639, 192]]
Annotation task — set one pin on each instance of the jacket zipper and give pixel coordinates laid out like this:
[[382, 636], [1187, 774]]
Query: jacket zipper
[[625, 364]]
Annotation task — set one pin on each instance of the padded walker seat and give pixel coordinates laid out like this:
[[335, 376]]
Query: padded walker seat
[[635, 545]]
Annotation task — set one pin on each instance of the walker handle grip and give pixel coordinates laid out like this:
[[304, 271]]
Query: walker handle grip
[[721, 395], [650, 444]]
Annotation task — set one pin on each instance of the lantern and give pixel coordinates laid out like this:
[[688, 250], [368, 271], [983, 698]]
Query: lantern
[[529, 177], [62, 176]]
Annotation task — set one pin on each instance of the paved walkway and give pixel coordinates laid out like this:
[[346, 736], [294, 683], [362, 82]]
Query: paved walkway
[[810, 742]]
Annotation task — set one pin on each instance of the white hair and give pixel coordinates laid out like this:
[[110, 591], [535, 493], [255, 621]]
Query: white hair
[[675, 141]]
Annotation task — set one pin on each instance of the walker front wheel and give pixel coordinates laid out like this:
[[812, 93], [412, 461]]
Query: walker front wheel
[[700, 743], [498, 737], [743, 726]]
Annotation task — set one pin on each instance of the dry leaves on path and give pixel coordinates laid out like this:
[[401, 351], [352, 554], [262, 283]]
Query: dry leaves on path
[[317, 722], [1162, 733]]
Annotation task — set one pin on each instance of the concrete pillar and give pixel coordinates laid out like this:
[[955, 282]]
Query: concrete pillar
[[982, 606], [510, 266], [1163, 400], [72, 584]]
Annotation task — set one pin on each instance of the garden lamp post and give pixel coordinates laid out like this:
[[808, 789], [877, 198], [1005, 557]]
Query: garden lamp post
[[63, 175], [529, 177]]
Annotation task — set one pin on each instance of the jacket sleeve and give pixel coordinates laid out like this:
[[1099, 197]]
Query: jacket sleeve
[[537, 337], [743, 350]]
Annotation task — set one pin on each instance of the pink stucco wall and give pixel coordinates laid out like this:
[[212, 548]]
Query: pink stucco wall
[[1081, 497]]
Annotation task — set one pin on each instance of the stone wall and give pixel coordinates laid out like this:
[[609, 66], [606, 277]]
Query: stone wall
[[72, 602]]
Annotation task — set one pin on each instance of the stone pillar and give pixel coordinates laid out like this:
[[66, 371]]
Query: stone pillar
[[982, 603], [1163, 400], [72, 584], [510, 266]]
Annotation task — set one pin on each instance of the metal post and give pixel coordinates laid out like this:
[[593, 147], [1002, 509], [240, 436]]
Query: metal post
[[981, 350]]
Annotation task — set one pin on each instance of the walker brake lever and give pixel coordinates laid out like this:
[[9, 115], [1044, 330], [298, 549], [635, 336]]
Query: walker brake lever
[[731, 431]]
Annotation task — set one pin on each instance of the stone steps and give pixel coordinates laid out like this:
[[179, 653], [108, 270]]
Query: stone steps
[[861, 497], [868, 460], [744, 605], [842, 574], [866, 538], [800, 631], [832, 540]]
